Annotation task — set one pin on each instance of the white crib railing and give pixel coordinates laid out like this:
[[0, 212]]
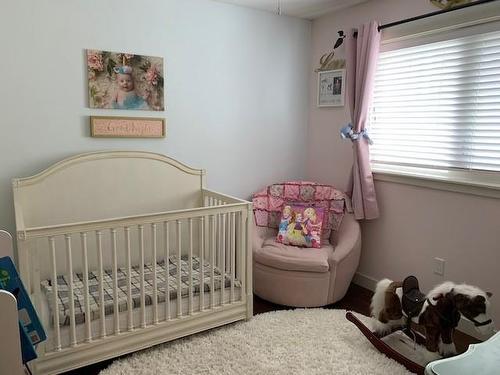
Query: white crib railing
[[217, 234]]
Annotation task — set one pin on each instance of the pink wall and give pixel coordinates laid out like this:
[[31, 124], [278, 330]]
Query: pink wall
[[416, 224]]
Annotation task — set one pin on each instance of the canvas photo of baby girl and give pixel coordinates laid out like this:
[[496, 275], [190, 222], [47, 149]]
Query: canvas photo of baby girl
[[125, 81]]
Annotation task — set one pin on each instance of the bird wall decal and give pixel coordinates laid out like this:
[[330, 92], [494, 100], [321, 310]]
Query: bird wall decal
[[327, 61]]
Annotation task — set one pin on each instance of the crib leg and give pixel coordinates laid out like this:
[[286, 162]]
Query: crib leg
[[249, 284]]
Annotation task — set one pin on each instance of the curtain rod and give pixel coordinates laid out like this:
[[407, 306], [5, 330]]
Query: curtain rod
[[427, 15]]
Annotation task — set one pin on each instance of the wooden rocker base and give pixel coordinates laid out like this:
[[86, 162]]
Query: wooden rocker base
[[383, 348]]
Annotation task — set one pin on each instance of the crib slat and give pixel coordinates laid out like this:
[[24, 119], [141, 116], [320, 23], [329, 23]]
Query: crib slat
[[24, 259], [155, 283], [233, 252], [116, 312], [223, 260], [130, 302], [190, 260], [69, 269], [55, 307], [202, 263], [86, 297], [35, 271], [37, 300], [228, 244], [212, 261], [219, 239], [167, 269], [101, 284], [228, 252], [141, 266], [179, 280], [217, 236]]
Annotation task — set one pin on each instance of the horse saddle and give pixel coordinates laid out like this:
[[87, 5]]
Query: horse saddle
[[413, 299]]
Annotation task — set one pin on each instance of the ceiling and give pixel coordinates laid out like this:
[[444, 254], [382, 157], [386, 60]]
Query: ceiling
[[308, 9]]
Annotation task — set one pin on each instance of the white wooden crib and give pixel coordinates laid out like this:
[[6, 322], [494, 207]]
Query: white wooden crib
[[123, 232]]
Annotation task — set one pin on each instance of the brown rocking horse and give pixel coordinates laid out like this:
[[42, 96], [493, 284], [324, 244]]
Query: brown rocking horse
[[401, 306]]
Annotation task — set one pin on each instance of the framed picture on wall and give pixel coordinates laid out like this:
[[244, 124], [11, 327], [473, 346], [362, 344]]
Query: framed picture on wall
[[331, 88], [119, 80]]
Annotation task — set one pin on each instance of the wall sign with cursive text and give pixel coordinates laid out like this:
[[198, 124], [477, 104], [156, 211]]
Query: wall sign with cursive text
[[127, 127]]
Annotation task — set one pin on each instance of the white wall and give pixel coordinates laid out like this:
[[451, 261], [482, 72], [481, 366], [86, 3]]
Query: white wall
[[416, 224], [236, 86]]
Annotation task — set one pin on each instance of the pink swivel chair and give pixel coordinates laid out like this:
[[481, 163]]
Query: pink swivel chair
[[303, 277]]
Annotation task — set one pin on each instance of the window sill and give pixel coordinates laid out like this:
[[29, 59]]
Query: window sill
[[485, 184]]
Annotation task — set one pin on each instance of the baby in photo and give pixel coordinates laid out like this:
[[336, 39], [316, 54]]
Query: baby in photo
[[125, 96]]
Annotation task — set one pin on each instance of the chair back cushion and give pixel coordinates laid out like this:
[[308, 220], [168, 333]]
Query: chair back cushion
[[268, 203]]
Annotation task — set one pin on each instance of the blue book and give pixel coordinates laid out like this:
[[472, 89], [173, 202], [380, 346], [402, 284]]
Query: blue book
[[30, 328]]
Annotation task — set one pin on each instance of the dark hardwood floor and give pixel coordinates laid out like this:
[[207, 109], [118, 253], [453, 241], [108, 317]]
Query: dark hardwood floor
[[357, 299]]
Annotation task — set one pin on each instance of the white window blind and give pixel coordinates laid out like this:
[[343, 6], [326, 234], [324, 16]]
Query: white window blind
[[437, 105]]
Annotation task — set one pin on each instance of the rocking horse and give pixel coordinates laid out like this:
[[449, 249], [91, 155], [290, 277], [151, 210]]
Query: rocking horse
[[400, 306]]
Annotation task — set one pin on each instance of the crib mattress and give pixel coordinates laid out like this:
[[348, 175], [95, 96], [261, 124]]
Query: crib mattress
[[137, 318], [162, 272]]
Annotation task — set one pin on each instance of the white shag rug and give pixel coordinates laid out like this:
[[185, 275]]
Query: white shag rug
[[303, 341]]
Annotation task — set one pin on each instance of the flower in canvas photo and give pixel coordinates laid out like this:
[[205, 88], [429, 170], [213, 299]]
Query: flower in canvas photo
[[95, 60]]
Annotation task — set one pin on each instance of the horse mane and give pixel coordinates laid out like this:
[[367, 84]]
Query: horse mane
[[448, 286]]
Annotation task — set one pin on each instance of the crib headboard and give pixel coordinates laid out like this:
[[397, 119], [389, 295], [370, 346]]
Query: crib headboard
[[104, 185]]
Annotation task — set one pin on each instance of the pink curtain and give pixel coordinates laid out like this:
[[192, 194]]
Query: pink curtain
[[362, 53]]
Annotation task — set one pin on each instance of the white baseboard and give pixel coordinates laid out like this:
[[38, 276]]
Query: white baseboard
[[365, 281], [464, 325]]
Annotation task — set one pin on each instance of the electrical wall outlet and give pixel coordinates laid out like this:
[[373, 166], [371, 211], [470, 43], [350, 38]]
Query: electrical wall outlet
[[439, 266]]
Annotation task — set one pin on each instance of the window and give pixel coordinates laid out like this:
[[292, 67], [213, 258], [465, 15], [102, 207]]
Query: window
[[437, 106]]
